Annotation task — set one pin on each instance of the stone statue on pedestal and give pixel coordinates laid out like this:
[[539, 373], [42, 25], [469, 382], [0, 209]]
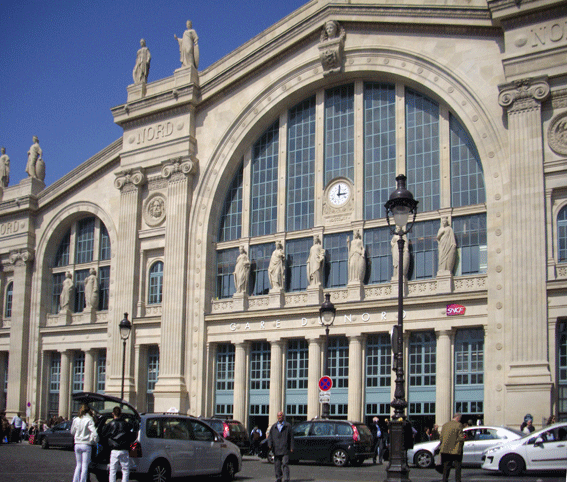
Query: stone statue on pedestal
[[35, 166], [67, 292], [356, 261], [91, 290], [396, 255], [142, 67], [242, 271], [315, 262], [276, 267], [447, 246], [189, 47], [4, 168]]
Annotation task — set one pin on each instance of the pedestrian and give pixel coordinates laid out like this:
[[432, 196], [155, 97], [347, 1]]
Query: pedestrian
[[451, 448], [551, 420], [6, 428], [17, 428], [255, 437], [527, 417], [435, 432], [280, 441], [84, 433], [378, 439], [528, 428], [118, 435]]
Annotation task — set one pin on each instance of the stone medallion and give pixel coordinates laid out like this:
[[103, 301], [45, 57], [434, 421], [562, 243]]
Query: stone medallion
[[557, 134], [154, 209]]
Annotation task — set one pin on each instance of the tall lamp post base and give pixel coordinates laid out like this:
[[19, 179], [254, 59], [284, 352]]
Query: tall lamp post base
[[398, 469]]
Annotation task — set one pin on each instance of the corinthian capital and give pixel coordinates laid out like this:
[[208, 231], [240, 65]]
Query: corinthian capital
[[21, 257], [523, 94], [181, 166], [135, 177]]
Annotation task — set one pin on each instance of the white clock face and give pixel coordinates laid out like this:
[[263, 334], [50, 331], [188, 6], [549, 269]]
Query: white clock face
[[339, 193]]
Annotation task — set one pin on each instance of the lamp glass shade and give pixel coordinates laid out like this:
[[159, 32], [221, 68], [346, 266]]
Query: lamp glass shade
[[401, 217], [328, 317], [125, 327]]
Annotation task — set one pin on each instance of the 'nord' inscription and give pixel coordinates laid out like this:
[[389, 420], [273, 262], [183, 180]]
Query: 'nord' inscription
[[151, 133], [551, 33], [9, 228]]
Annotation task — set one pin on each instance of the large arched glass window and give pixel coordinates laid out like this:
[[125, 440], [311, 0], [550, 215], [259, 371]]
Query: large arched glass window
[[85, 245], [562, 235], [396, 130], [8, 298], [155, 284]]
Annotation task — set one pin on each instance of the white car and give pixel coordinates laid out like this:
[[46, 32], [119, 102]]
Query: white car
[[543, 450], [477, 440]]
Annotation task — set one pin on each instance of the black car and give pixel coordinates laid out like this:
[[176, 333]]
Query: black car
[[337, 441], [57, 436], [232, 430]]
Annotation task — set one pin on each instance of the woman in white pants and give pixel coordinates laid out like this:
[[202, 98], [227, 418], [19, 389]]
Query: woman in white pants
[[84, 432]]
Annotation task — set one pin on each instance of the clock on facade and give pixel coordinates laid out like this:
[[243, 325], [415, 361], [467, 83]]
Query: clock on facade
[[339, 193]]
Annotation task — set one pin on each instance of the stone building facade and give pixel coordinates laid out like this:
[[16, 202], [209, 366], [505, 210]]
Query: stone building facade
[[299, 133]]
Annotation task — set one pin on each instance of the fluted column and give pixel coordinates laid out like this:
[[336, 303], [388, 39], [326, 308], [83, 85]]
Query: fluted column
[[443, 394], [89, 384], [240, 381], [276, 379], [313, 375], [355, 388], [19, 332], [127, 275], [526, 287], [171, 389], [65, 383]]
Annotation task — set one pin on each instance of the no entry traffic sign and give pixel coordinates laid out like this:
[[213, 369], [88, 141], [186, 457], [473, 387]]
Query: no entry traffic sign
[[325, 383]]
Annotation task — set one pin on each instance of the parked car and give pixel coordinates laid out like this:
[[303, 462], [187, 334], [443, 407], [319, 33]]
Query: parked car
[[477, 439], [231, 430], [337, 441], [542, 450], [57, 436], [168, 445]]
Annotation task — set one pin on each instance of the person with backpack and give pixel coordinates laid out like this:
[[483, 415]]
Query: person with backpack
[[255, 437], [118, 435]]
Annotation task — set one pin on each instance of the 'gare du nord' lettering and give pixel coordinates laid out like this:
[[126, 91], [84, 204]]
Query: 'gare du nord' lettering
[[554, 33], [154, 133], [365, 317]]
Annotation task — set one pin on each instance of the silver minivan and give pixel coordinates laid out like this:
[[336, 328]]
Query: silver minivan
[[168, 444]]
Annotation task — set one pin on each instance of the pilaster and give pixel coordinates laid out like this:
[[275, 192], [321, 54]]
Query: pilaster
[[88, 385], [355, 377], [529, 378], [65, 383], [276, 379], [19, 331], [443, 396], [240, 363], [313, 375], [171, 389]]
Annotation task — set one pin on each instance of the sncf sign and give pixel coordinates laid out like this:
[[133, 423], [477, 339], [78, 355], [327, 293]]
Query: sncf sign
[[455, 309]]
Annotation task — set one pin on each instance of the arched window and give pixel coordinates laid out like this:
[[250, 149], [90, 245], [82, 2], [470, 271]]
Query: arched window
[[8, 298], [85, 245], [411, 141], [562, 235], [155, 284]]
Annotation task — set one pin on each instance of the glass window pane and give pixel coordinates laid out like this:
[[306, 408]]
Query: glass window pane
[[339, 133], [297, 252], [226, 261], [155, 283], [84, 240], [562, 234], [231, 217]]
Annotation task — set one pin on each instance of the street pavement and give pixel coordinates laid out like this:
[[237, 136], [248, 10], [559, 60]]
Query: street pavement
[[25, 463]]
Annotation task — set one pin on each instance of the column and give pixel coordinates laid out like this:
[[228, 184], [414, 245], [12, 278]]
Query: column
[[240, 381], [276, 379], [89, 383], [171, 389], [355, 377], [443, 392], [129, 182], [529, 379], [19, 332], [313, 374], [65, 383]]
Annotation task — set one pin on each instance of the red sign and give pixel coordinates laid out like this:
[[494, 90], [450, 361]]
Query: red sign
[[454, 309], [325, 383]]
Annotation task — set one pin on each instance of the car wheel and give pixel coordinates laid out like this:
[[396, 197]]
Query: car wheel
[[44, 443], [159, 472], [339, 458], [229, 469], [512, 464], [423, 459], [270, 457]]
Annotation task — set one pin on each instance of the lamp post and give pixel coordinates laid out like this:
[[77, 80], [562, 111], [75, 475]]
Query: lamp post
[[326, 318], [400, 205], [125, 328]]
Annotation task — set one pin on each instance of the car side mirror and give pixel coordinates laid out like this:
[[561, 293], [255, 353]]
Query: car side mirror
[[538, 442]]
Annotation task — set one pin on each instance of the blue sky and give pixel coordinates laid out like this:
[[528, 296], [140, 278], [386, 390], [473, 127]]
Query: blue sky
[[64, 64]]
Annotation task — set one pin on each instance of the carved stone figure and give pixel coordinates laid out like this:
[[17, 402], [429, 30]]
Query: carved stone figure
[[315, 262], [242, 271], [447, 246], [276, 267], [188, 47], [34, 157], [4, 168], [331, 47], [142, 67], [91, 290], [396, 255], [356, 261], [67, 292]]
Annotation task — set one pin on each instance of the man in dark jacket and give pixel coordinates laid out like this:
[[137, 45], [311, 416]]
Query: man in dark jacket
[[280, 441], [451, 448], [118, 434]]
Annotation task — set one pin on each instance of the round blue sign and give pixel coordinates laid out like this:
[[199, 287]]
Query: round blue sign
[[325, 383]]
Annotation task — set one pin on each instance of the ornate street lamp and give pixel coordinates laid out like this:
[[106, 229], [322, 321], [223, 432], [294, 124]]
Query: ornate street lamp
[[125, 328], [326, 318], [400, 205]]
